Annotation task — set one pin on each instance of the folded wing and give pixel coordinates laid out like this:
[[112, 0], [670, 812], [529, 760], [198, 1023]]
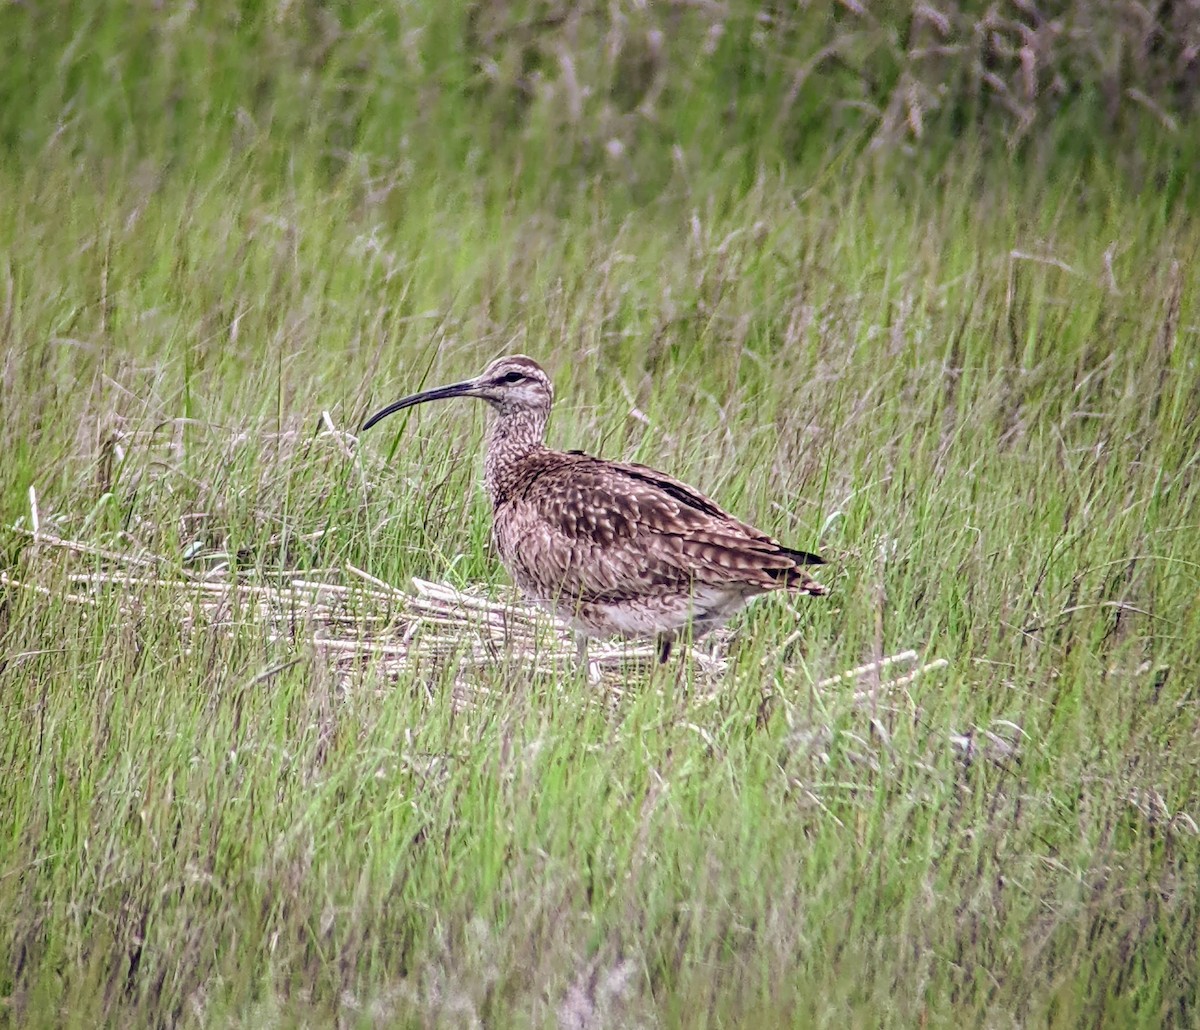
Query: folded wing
[[603, 531]]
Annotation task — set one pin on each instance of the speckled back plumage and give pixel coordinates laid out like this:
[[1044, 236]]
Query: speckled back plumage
[[614, 548]]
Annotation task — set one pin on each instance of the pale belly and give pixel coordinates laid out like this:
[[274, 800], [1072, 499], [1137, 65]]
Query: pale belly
[[648, 616]]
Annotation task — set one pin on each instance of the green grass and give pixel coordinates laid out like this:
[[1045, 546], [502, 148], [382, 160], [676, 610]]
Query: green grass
[[974, 390]]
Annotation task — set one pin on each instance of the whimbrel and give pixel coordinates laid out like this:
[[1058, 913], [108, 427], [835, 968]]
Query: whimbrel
[[613, 548]]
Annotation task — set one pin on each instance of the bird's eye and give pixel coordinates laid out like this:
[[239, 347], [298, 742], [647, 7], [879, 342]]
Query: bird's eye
[[512, 377]]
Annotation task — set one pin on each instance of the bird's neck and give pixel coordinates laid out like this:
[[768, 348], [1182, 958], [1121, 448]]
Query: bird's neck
[[511, 437]]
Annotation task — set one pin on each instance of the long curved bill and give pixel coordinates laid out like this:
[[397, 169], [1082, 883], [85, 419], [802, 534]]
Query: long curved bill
[[463, 389]]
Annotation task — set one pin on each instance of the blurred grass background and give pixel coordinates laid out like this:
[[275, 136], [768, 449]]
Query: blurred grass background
[[913, 284]]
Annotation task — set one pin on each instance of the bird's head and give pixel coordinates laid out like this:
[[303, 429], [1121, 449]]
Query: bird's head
[[511, 385]]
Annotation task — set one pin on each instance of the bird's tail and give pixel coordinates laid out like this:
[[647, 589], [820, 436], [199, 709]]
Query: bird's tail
[[797, 578], [802, 557], [802, 583]]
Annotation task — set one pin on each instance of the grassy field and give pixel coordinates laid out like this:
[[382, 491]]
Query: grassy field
[[971, 382]]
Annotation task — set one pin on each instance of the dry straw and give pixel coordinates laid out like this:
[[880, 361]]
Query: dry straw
[[356, 622]]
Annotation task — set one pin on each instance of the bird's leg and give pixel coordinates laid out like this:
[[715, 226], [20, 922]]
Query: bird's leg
[[676, 684], [663, 642], [591, 670]]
